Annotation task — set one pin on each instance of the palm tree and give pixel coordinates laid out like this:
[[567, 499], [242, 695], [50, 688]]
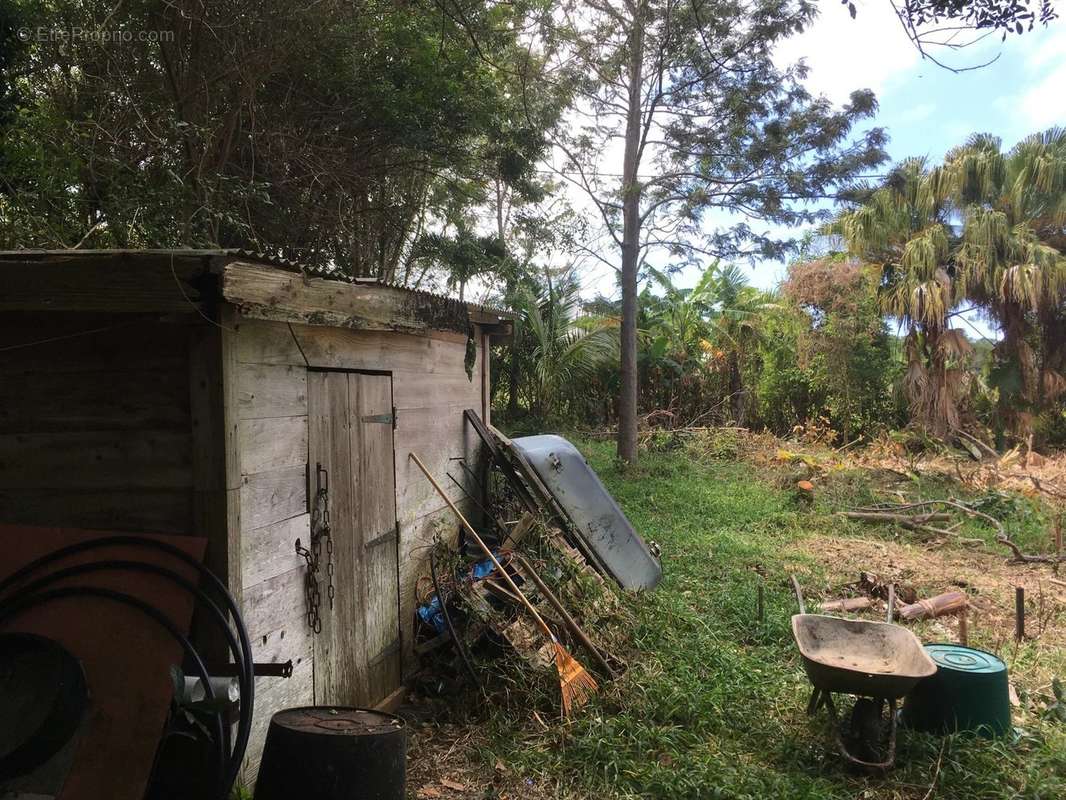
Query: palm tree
[[736, 326], [1011, 262], [709, 328], [568, 348], [904, 229]]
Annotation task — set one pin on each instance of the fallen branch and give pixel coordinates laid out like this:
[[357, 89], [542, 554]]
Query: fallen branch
[[886, 511], [884, 516], [1026, 558], [1039, 485], [911, 522]]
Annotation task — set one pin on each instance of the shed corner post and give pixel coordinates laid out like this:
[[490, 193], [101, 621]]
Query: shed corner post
[[486, 374], [216, 463]]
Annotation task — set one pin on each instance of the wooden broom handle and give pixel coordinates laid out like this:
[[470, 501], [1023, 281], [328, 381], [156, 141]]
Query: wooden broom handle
[[470, 529]]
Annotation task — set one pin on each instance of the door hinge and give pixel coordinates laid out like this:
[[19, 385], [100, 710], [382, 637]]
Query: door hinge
[[387, 536], [389, 419]]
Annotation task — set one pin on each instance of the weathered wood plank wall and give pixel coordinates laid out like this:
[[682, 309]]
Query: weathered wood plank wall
[[430, 391], [272, 445], [95, 424]]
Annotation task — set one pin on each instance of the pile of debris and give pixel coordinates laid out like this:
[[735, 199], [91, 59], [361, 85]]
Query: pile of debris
[[931, 517], [982, 468], [527, 592]]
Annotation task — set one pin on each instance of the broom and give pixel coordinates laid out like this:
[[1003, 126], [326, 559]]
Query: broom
[[575, 684]]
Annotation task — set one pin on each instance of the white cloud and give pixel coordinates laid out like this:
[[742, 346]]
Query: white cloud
[[845, 54], [1044, 105], [1052, 49]]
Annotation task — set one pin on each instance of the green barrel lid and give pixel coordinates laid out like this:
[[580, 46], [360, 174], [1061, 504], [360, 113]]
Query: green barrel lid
[[964, 659], [968, 692]]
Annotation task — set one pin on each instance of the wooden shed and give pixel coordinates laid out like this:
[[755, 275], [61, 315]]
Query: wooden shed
[[216, 393]]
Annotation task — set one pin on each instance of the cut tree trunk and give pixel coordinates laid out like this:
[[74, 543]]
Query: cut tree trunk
[[847, 604]]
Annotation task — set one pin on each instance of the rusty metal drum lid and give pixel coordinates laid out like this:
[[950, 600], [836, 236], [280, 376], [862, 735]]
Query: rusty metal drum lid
[[338, 721]]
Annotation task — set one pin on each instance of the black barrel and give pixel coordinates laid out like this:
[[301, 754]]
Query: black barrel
[[333, 753]]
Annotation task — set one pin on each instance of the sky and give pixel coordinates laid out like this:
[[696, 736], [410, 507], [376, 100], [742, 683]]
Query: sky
[[925, 109]]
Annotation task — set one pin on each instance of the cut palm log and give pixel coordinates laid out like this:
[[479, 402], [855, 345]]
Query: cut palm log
[[846, 604], [942, 604]]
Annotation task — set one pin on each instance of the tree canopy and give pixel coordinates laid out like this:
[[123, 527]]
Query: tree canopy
[[324, 131], [494, 149]]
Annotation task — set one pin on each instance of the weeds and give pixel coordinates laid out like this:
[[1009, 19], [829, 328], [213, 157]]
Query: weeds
[[713, 703]]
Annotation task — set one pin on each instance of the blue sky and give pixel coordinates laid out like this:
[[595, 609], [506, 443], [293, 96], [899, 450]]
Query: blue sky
[[927, 109]]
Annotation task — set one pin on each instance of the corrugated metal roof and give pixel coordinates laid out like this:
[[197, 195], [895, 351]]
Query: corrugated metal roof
[[328, 273]]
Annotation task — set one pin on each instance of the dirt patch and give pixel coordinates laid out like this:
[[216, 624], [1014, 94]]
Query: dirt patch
[[444, 761], [986, 578], [1031, 474]]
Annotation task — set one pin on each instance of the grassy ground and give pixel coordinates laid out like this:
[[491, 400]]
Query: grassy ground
[[713, 703]]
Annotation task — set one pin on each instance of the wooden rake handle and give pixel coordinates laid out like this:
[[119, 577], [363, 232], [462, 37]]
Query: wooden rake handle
[[560, 609], [484, 548]]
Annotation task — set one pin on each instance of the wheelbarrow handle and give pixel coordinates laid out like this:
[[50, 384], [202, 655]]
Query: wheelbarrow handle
[[799, 594]]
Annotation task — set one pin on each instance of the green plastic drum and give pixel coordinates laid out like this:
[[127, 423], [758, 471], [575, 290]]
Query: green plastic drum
[[968, 692]]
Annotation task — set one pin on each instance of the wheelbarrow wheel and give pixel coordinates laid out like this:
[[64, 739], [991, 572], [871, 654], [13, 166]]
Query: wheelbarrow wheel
[[865, 731], [866, 728]]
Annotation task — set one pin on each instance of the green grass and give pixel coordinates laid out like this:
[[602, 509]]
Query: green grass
[[713, 704]]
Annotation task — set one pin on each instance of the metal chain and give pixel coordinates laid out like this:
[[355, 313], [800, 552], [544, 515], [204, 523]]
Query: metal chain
[[320, 529], [314, 620], [325, 531]]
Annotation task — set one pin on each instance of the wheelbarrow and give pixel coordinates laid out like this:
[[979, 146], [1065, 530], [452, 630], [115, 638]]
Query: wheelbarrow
[[878, 662]]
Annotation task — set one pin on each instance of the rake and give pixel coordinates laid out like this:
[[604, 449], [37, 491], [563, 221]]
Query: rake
[[575, 683]]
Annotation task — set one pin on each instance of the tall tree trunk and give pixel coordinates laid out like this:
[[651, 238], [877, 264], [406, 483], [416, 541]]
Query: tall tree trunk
[[511, 290], [940, 399], [737, 395], [1015, 407], [631, 193], [513, 365]]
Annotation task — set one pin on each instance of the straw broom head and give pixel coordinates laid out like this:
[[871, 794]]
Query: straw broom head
[[575, 683]]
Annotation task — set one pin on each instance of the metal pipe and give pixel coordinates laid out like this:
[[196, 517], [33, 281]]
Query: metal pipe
[[799, 594], [499, 526]]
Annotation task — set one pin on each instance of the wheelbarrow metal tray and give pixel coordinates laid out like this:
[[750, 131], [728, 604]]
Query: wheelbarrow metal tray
[[860, 657], [596, 517]]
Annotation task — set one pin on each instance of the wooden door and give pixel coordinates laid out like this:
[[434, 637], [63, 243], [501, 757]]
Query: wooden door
[[357, 654]]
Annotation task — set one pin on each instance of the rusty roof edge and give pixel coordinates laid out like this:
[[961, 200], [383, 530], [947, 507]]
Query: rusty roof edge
[[236, 253]]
